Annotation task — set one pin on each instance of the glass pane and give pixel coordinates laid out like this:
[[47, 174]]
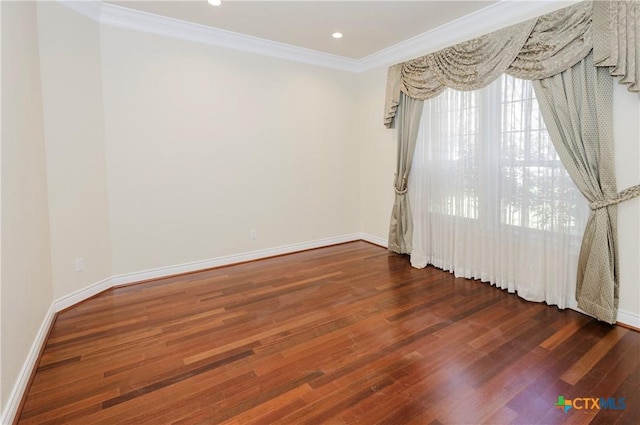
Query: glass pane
[[536, 190], [489, 157]]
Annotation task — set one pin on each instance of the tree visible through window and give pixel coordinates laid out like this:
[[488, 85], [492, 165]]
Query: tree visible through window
[[489, 197], [542, 193], [491, 149]]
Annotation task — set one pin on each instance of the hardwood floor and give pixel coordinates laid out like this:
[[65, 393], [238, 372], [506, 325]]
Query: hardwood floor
[[349, 334]]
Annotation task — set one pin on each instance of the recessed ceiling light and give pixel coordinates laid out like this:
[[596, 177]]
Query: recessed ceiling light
[[336, 35], [214, 2]]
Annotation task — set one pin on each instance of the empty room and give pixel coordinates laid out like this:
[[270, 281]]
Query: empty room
[[320, 212]]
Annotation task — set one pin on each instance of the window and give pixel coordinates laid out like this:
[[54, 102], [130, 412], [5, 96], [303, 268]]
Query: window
[[489, 196], [543, 196], [494, 141], [455, 116]]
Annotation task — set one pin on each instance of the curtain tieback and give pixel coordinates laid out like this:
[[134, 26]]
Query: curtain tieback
[[403, 184], [625, 195]]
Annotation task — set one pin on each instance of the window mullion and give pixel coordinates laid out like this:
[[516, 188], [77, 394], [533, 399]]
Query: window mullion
[[490, 119]]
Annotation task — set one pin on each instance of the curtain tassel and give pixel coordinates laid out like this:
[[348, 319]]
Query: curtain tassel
[[625, 195], [404, 184]]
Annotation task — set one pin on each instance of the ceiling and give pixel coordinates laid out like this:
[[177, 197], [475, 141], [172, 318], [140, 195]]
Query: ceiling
[[368, 26]]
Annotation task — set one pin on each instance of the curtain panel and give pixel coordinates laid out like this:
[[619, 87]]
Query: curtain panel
[[537, 49], [577, 107], [401, 226], [491, 199]]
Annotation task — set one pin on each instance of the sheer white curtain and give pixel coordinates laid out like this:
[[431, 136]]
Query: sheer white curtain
[[489, 196]]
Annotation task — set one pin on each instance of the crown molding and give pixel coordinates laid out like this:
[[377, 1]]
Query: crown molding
[[491, 18], [89, 8], [123, 17], [146, 22]]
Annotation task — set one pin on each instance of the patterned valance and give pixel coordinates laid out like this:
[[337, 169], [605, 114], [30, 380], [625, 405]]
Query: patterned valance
[[617, 24], [533, 50]]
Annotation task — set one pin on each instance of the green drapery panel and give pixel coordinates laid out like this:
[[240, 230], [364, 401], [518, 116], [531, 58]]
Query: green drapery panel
[[400, 228], [577, 107]]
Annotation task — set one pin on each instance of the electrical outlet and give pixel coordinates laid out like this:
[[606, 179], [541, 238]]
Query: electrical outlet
[[252, 234], [79, 265]]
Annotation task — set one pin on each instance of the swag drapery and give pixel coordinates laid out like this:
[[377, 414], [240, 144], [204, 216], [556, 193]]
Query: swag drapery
[[555, 50]]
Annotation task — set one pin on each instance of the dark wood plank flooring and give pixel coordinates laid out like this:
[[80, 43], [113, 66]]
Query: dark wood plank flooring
[[348, 334]]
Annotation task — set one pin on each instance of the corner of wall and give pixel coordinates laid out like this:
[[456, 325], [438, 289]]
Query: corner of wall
[[26, 277], [73, 113]]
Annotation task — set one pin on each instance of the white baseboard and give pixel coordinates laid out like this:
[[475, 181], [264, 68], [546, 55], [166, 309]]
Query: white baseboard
[[374, 240], [229, 259], [81, 295], [628, 318], [624, 317], [15, 397]]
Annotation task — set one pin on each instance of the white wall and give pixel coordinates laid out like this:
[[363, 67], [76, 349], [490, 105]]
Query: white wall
[[378, 166], [377, 155], [205, 144], [75, 145], [26, 263], [626, 110]]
